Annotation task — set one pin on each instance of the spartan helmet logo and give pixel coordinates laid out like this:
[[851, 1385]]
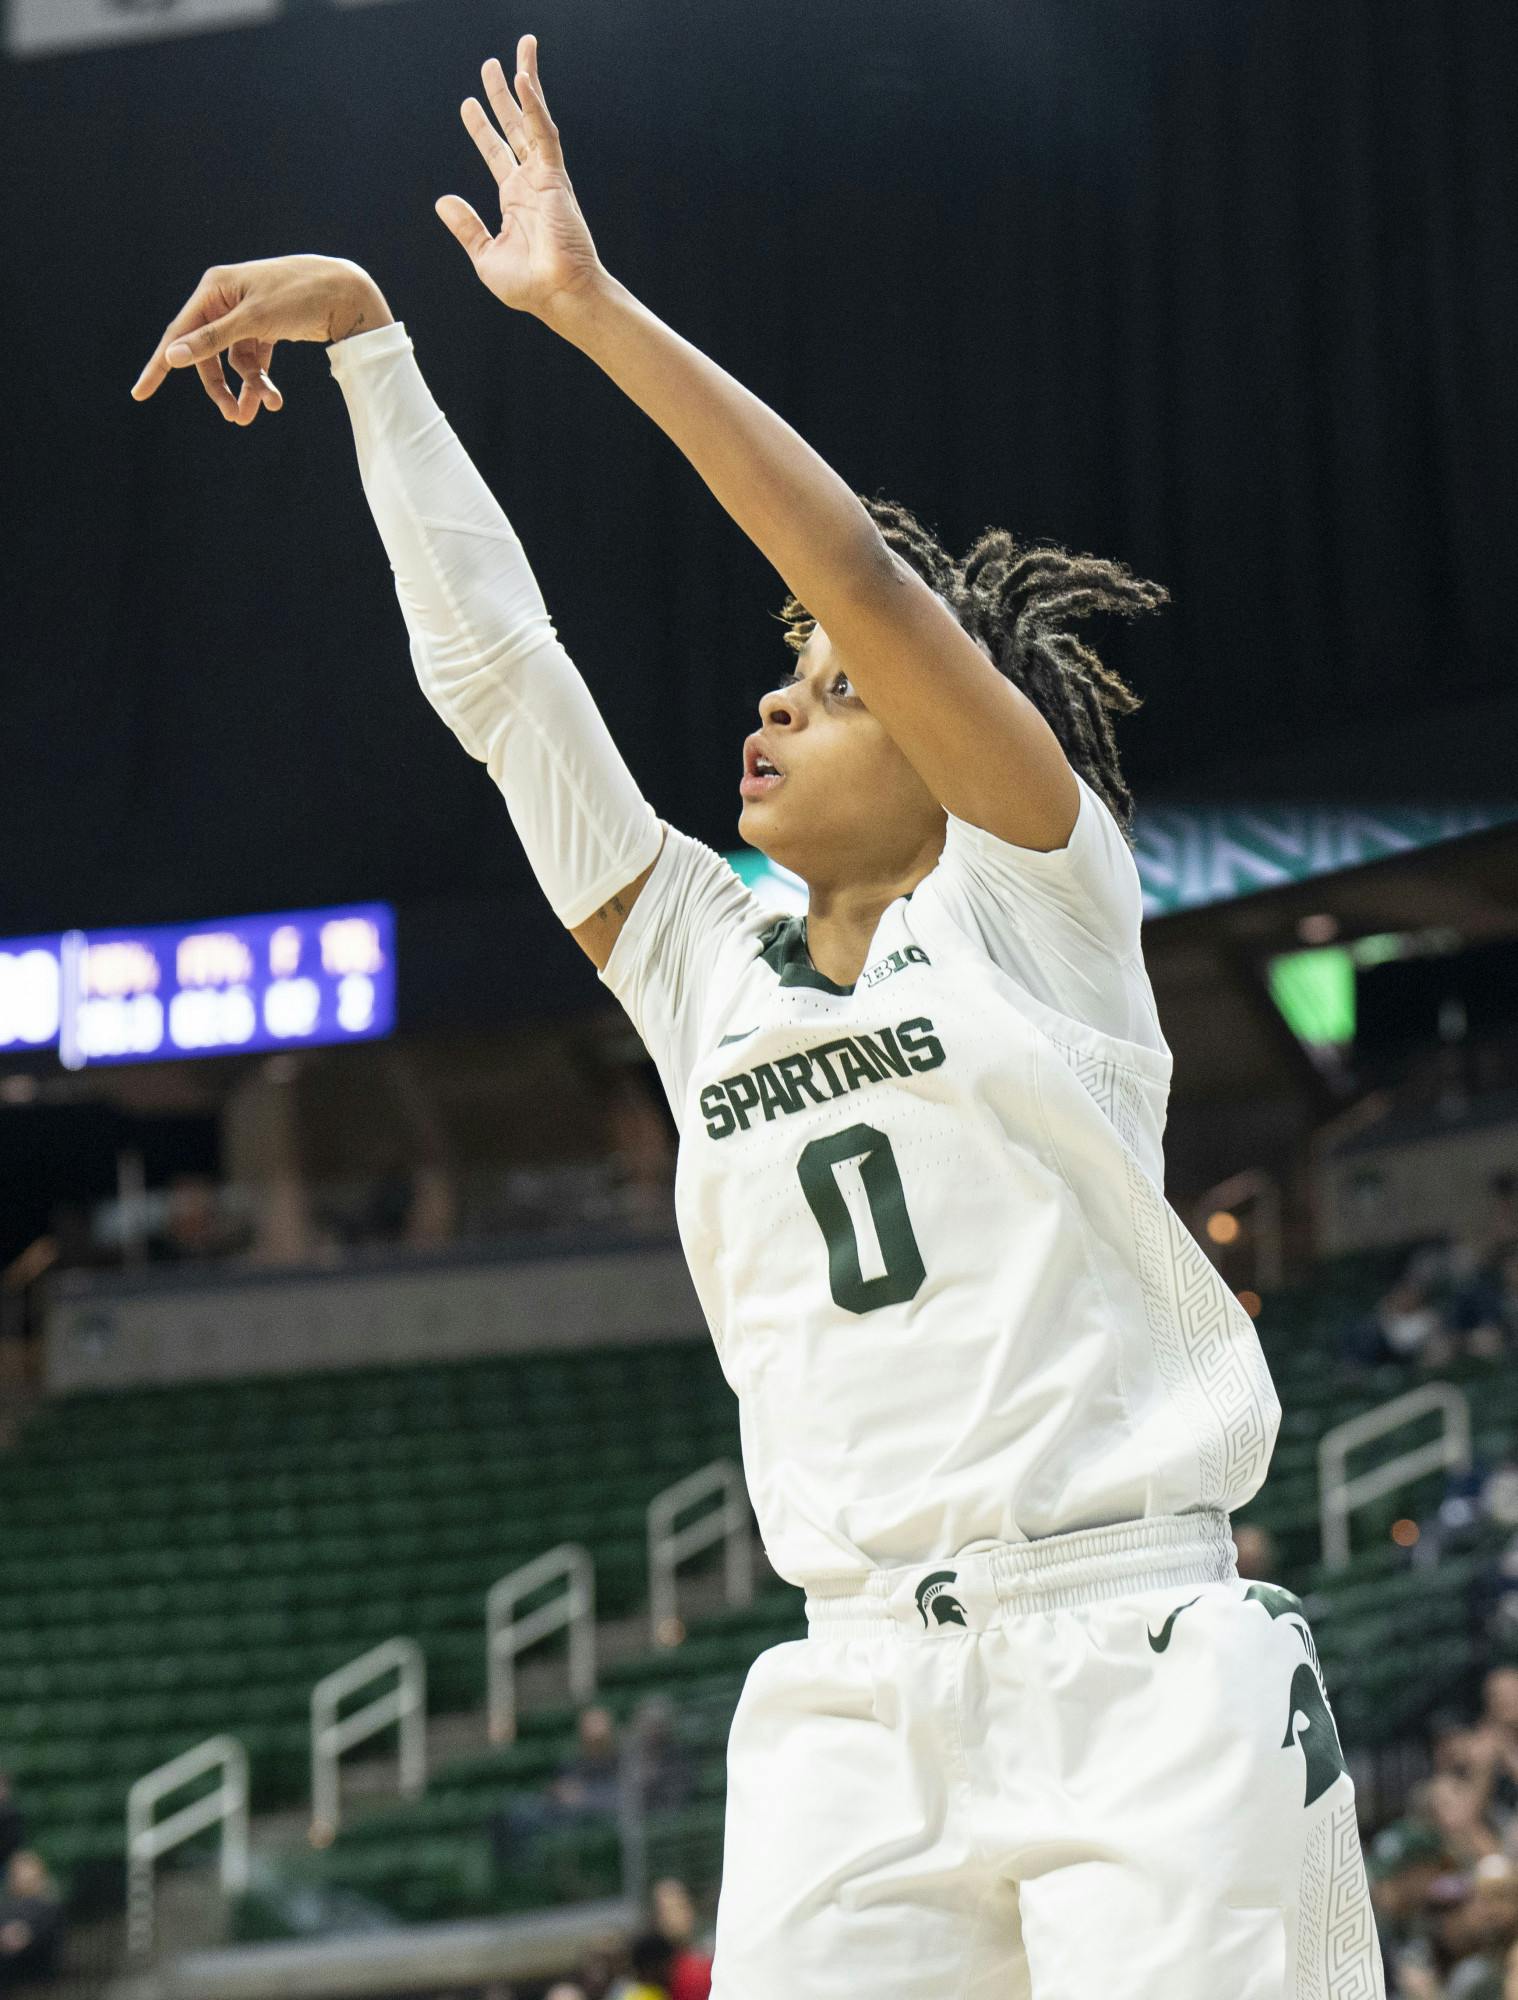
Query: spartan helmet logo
[[934, 1591]]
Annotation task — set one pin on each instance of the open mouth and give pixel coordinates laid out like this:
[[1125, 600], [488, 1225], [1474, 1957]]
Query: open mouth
[[760, 773]]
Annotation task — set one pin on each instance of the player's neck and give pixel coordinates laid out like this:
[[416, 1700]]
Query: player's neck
[[844, 911], [841, 923]]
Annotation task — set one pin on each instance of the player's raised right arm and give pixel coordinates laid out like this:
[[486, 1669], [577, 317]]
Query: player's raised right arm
[[484, 649]]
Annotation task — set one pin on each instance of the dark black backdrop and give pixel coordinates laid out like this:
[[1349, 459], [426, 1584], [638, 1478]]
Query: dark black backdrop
[[1226, 290]]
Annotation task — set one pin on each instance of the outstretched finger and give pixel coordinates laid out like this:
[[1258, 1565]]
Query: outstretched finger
[[193, 313], [505, 107], [527, 65], [189, 341], [495, 152], [543, 129], [465, 224]]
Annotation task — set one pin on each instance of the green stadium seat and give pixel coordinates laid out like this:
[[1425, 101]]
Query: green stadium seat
[[187, 1561]]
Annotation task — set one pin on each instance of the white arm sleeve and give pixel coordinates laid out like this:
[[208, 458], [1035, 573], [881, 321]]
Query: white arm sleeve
[[485, 651]]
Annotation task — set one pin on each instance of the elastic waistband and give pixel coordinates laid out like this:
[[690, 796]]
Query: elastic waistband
[[1054, 1573]]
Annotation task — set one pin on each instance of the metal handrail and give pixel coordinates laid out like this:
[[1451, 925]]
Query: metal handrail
[[406, 1703], [668, 1547], [1340, 1495], [507, 1635], [147, 1840]]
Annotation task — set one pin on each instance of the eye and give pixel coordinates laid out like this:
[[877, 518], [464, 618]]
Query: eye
[[796, 680]]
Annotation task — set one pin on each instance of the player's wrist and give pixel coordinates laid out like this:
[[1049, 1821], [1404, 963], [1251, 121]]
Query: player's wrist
[[358, 306], [582, 315]]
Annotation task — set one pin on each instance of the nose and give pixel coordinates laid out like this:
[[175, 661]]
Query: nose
[[777, 708]]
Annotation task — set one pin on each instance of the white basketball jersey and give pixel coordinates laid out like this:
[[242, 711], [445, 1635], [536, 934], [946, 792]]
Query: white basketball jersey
[[925, 1214]]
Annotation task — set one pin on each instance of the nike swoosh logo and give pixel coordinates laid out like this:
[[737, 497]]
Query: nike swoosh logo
[[1163, 1640], [741, 1037]]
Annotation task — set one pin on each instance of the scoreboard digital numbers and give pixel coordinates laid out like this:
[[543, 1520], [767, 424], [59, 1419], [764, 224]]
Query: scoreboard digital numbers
[[302, 979]]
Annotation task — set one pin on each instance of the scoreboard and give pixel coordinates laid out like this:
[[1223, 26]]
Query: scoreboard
[[301, 979]]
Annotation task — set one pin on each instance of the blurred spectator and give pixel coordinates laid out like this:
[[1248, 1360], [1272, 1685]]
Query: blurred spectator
[[31, 1921], [1403, 1862], [1454, 1804], [669, 1771], [1483, 1312], [1450, 1299], [1498, 1232], [651, 1957], [1458, 1524], [586, 1787], [566, 1989], [12, 1825], [195, 1227], [1408, 1322], [1495, 1600], [598, 1973], [588, 1780], [690, 1973], [1449, 1743], [1256, 1552], [1492, 1746], [1476, 1930]]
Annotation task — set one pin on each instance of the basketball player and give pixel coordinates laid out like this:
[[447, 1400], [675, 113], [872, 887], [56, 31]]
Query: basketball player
[[996, 1404]]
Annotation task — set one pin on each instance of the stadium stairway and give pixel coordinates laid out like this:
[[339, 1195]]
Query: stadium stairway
[[430, 1858], [183, 1562]]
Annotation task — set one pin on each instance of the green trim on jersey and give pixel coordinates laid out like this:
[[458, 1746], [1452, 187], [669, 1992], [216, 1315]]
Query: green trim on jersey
[[783, 948], [784, 952]]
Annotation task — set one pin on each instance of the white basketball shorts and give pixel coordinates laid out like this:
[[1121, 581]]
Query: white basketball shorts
[[1098, 1766]]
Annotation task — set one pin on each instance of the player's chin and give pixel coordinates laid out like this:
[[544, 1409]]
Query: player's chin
[[763, 821]]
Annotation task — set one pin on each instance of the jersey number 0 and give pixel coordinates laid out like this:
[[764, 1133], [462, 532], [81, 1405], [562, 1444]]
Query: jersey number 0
[[853, 1186]]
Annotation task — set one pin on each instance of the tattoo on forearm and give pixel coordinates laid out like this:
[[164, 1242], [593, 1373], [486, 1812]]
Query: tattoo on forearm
[[615, 907], [343, 326]]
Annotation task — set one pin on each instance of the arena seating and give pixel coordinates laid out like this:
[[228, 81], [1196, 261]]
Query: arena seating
[[431, 1858], [182, 1562], [1394, 1638], [186, 1561]]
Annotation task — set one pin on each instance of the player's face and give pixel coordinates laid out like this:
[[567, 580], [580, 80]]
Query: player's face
[[846, 803]]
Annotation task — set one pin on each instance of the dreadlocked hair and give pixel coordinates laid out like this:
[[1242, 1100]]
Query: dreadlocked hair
[[1018, 602]]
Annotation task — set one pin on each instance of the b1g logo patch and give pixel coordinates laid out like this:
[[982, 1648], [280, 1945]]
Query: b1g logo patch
[[933, 1592]]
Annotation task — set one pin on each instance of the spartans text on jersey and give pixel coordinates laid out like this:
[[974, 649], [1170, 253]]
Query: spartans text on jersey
[[841, 1065]]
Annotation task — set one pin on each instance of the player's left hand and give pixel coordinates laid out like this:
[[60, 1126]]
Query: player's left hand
[[542, 257]]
